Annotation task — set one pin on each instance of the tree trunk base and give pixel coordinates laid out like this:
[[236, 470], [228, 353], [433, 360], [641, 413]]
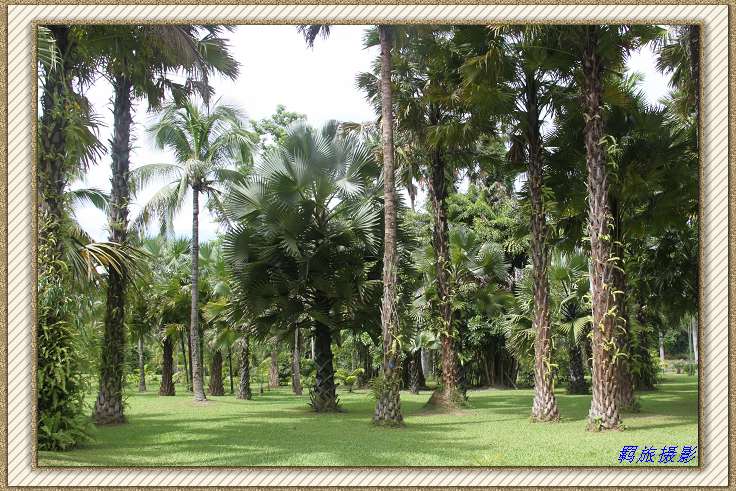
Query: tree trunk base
[[167, 390], [324, 403], [444, 401], [388, 405], [578, 387], [600, 423], [106, 414]]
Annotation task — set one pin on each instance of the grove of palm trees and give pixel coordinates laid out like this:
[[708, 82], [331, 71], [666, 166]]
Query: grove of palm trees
[[497, 266]]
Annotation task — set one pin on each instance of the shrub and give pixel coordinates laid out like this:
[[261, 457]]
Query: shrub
[[62, 420], [348, 379]]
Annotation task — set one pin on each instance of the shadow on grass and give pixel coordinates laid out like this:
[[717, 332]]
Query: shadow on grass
[[279, 428]]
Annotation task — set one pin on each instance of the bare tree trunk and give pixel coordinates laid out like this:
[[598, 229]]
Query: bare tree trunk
[[661, 349], [109, 404], [388, 405], [694, 327], [273, 371], [141, 367], [194, 347], [323, 395], [230, 368], [216, 388], [544, 407], [244, 391], [186, 354], [426, 363], [694, 48], [577, 383], [167, 369], [604, 412], [449, 396], [296, 381], [624, 378]]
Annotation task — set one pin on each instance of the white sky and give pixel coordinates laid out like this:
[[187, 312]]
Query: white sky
[[276, 68]]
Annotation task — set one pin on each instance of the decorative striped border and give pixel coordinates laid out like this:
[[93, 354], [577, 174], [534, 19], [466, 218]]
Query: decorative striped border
[[714, 191]]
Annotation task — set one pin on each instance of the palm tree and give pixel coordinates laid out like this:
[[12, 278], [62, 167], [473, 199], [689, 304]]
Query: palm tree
[[603, 48], [68, 258], [524, 73], [296, 382], [137, 61], [388, 405], [205, 142], [426, 76], [475, 271], [303, 240], [166, 295]]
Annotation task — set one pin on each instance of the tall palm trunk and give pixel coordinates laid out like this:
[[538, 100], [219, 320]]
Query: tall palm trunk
[[604, 412], [449, 395], [53, 167], [109, 405], [167, 369], [388, 405], [416, 377], [230, 368], [216, 388], [273, 371], [58, 394], [244, 391], [577, 383], [624, 379], [141, 366], [694, 47], [661, 349], [184, 355], [323, 395], [544, 407], [194, 345], [296, 381]]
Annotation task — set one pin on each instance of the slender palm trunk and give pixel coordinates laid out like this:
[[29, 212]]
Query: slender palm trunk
[[388, 405], [604, 412], [426, 357], [167, 369], [194, 346], [544, 407], [449, 395], [694, 47], [244, 391], [141, 367], [59, 396], [694, 327], [230, 369], [414, 373], [296, 381], [184, 355], [323, 395], [577, 383], [216, 388], [624, 379], [53, 167], [273, 371], [109, 404], [661, 349]]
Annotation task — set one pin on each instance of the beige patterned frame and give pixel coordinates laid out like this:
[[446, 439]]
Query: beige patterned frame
[[19, 80]]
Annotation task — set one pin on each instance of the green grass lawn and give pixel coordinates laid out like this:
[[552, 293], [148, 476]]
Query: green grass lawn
[[279, 429]]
